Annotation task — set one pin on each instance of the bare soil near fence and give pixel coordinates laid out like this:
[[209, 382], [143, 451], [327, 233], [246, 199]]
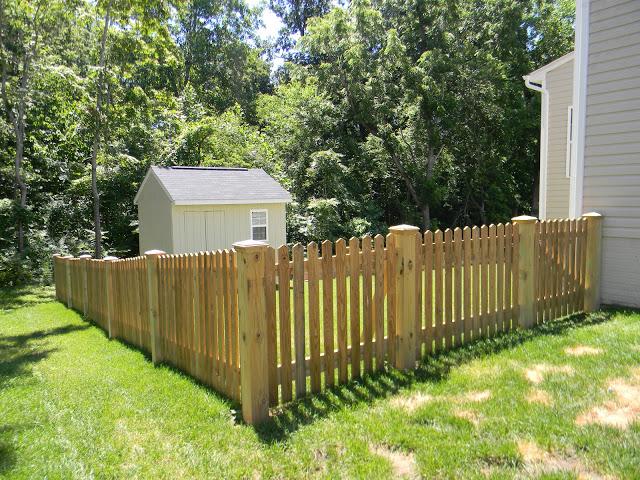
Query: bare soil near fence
[[558, 400]]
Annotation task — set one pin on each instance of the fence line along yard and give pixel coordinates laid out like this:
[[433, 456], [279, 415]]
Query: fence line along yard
[[265, 326]]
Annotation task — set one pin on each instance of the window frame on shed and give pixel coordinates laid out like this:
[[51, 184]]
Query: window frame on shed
[[265, 225]]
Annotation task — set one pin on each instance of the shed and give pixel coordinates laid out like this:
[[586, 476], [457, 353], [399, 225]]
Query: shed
[[191, 209]]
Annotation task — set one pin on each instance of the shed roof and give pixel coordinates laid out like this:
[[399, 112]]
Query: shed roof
[[217, 185]]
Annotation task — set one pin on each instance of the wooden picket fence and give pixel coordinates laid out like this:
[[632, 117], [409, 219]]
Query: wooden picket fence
[[265, 326]]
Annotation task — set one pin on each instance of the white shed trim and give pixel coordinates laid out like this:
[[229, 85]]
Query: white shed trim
[[144, 181], [230, 202]]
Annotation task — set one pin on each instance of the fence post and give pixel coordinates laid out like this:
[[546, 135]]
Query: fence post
[[526, 269], [404, 242], [252, 318], [84, 259], [152, 290], [56, 274], [67, 272], [109, 290], [593, 265]]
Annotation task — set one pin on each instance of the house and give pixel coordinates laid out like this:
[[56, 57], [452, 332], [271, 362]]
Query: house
[[590, 137], [191, 209]]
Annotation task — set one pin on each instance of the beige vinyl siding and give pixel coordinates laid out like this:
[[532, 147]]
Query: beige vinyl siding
[[154, 216], [236, 225], [612, 144], [559, 85]]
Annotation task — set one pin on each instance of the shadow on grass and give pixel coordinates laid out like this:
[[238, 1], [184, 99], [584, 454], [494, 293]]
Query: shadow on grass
[[21, 297], [433, 368], [19, 351]]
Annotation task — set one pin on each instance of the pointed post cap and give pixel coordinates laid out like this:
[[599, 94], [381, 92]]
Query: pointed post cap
[[154, 253], [592, 215], [248, 245], [524, 219], [404, 229]]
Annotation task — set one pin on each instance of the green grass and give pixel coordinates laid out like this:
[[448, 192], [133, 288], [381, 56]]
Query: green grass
[[76, 405]]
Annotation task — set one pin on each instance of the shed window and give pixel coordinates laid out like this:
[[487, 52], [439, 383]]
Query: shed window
[[259, 221], [569, 140]]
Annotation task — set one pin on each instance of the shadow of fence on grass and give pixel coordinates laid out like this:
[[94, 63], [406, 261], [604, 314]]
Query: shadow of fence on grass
[[432, 368], [17, 352], [21, 297]]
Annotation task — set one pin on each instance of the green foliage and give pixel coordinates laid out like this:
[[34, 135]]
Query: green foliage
[[386, 112]]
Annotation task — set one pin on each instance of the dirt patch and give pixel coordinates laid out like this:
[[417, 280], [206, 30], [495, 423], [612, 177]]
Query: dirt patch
[[403, 464], [469, 415], [621, 412], [537, 461], [482, 396], [411, 403], [536, 374], [582, 350], [536, 395]]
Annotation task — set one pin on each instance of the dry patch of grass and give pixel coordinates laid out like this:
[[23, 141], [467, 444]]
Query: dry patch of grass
[[403, 464], [411, 403], [620, 412], [582, 350], [537, 461], [482, 396], [537, 373], [469, 415], [536, 395]]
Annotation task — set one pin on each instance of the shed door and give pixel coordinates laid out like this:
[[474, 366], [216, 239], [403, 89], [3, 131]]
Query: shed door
[[216, 233], [195, 236], [204, 230]]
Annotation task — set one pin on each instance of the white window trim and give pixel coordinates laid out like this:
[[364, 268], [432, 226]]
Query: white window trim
[[570, 142], [266, 224]]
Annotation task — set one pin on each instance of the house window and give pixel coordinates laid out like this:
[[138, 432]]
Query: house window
[[259, 221], [569, 140]]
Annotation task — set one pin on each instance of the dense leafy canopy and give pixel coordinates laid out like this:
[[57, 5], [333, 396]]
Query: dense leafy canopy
[[387, 111]]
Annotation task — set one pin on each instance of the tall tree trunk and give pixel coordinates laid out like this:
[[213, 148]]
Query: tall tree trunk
[[21, 185], [17, 119], [96, 135], [426, 217]]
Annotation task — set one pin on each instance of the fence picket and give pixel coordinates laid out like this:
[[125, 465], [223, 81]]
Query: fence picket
[[491, 330], [341, 301], [466, 286], [427, 256], [367, 303], [354, 304], [284, 310], [457, 286], [272, 328], [327, 313], [299, 319], [378, 306], [500, 264], [438, 252]]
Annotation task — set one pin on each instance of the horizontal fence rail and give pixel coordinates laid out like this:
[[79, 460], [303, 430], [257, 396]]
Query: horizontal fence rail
[[264, 326]]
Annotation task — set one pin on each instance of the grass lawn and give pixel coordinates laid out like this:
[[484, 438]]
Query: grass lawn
[[76, 405]]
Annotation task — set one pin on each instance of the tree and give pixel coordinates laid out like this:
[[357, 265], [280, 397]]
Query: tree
[[295, 15], [24, 28]]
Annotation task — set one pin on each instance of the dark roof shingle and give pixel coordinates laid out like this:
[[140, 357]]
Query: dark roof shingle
[[225, 185]]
